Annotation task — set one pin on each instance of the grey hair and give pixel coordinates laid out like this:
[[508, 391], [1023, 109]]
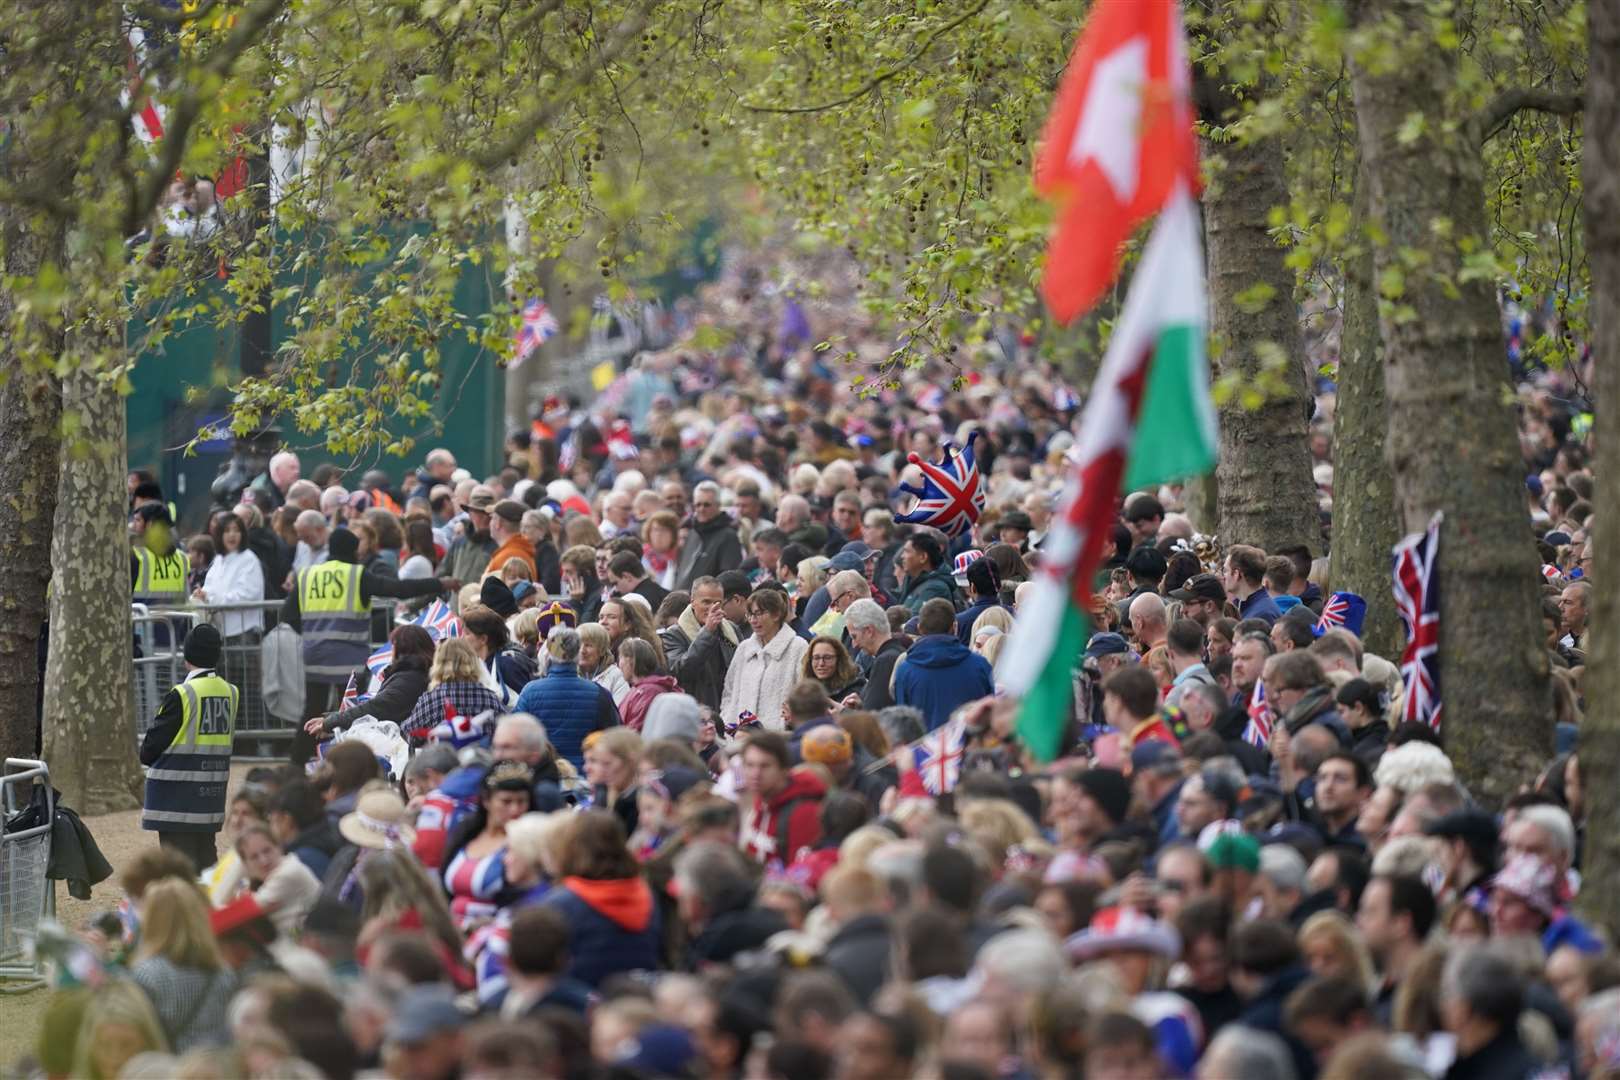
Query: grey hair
[[901, 723], [1555, 822], [866, 614], [434, 757], [1030, 960], [1284, 867], [1482, 977], [529, 730], [1251, 1053], [310, 519], [715, 873], [708, 487], [563, 644], [848, 581]]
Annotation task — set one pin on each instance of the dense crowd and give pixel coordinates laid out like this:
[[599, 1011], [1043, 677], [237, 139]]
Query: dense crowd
[[712, 777]]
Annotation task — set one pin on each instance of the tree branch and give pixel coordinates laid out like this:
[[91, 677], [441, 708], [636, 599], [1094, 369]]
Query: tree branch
[[184, 116], [1495, 115], [562, 98], [882, 77]]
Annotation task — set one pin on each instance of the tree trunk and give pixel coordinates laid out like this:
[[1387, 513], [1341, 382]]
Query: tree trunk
[[30, 413], [1364, 526], [1452, 440], [1600, 729], [89, 699], [1266, 495]]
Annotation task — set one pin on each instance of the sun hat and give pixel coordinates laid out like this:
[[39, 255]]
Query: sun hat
[[378, 821], [1123, 928]]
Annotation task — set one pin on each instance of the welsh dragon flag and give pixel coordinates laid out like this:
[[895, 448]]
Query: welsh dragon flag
[[1149, 419]]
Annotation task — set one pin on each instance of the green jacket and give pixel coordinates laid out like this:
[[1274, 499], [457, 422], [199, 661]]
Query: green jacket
[[934, 583]]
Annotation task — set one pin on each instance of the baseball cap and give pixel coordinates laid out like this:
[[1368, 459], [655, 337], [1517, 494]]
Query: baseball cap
[[1200, 587], [511, 510], [423, 1012], [1105, 644]]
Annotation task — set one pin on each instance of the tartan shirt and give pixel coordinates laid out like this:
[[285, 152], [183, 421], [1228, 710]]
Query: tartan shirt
[[466, 698]]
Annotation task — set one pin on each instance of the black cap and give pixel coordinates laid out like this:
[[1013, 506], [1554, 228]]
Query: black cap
[[203, 646], [1016, 519], [1106, 644], [1201, 587]]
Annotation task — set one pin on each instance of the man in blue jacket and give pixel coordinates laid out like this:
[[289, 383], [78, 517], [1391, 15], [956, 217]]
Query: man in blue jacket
[[567, 704], [940, 674]]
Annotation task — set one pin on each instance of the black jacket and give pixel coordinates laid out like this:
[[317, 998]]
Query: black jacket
[[1229, 726], [372, 585], [1265, 1013], [274, 559], [548, 564], [738, 930], [859, 954], [403, 683], [651, 591], [698, 663], [1503, 1058], [876, 695], [711, 549]]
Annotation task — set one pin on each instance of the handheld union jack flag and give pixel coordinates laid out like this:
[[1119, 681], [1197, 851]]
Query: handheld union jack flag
[[1257, 732], [939, 757], [952, 496], [439, 621], [1417, 600], [539, 326], [1344, 610]]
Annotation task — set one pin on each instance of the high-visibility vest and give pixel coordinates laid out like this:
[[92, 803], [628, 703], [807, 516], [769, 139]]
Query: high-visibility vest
[[337, 621], [160, 580], [185, 787]]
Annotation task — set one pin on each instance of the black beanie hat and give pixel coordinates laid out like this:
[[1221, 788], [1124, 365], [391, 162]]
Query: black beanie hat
[[1109, 788], [494, 595], [203, 646], [343, 545]]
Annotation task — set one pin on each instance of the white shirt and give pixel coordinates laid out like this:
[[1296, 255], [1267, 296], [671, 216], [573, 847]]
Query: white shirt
[[306, 556], [288, 894], [237, 578]]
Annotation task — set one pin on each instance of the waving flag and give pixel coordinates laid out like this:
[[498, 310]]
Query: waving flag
[[1343, 610], [1417, 600], [1117, 144], [438, 620], [952, 496], [939, 757], [1257, 732], [538, 326]]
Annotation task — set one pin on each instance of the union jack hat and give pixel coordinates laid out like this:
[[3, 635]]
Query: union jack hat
[[963, 561]]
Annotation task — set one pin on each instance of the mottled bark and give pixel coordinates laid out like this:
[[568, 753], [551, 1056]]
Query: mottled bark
[[1452, 440], [1600, 729], [1266, 495], [89, 703], [1364, 526]]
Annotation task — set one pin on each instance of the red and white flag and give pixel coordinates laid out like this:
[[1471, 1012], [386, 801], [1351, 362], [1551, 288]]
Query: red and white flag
[[1119, 139]]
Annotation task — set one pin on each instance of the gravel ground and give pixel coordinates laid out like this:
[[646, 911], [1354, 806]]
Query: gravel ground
[[120, 837]]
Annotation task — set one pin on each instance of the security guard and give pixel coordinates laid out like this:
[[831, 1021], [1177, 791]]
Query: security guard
[[158, 568], [188, 753], [330, 604]]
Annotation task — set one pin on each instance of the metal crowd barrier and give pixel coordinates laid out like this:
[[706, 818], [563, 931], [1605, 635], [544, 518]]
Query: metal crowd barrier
[[159, 634], [27, 897]]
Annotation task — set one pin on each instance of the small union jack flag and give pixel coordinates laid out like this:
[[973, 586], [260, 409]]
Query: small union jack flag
[[439, 621], [939, 757], [953, 493], [539, 326], [461, 731], [1257, 732], [1343, 610], [1417, 600]]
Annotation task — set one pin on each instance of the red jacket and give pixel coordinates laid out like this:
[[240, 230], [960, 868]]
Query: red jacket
[[775, 830], [633, 709]]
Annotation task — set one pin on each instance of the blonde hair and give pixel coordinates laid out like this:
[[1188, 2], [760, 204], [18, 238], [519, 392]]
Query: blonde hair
[[455, 661], [622, 743], [858, 846], [997, 824], [812, 574], [1338, 931], [118, 1001], [514, 570], [596, 636], [526, 628], [175, 926], [534, 839], [998, 617]]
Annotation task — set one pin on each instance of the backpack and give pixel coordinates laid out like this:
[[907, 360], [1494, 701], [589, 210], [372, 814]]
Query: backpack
[[282, 674]]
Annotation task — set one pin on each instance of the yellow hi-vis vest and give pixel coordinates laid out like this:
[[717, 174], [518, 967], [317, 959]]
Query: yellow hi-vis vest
[[160, 580], [337, 622], [185, 787]]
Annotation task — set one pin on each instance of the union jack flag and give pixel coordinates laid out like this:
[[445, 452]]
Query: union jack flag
[[1343, 610], [1257, 732], [539, 326], [439, 621], [952, 496], [939, 757], [1417, 600]]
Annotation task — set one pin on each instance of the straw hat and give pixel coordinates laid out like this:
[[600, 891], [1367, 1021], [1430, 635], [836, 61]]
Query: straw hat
[[378, 822]]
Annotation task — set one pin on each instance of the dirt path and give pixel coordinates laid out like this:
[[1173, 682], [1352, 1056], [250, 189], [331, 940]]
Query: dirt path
[[120, 838]]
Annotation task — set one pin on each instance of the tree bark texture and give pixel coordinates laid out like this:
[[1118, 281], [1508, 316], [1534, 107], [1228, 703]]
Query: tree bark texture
[[1266, 494], [30, 414], [1452, 441], [1364, 526], [89, 697], [1600, 728]]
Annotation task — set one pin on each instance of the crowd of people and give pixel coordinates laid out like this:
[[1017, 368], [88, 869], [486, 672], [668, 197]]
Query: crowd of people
[[715, 779]]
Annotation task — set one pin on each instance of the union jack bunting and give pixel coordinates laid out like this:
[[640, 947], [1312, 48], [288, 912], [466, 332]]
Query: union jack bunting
[[953, 493], [1257, 732], [538, 326], [939, 757], [1417, 600]]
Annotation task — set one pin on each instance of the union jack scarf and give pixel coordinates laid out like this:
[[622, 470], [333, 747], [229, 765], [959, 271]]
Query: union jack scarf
[[1257, 732], [1417, 600], [953, 493]]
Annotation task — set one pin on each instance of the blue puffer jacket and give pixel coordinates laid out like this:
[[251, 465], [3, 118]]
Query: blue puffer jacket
[[613, 926], [570, 708], [939, 675]]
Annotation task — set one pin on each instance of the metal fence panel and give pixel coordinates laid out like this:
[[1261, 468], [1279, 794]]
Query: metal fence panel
[[26, 895]]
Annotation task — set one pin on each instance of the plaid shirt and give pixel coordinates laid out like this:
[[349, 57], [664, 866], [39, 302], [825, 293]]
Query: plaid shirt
[[465, 698]]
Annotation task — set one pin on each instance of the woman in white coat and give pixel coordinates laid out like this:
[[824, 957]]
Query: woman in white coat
[[766, 665], [235, 577]]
